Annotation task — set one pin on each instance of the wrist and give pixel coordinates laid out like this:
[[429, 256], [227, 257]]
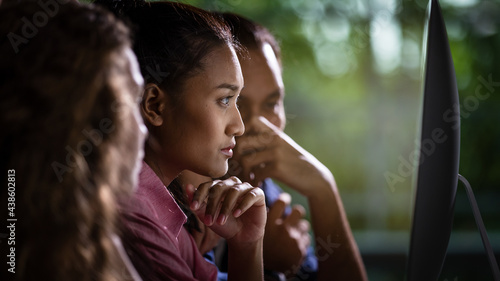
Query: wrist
[[245, 260], [246, 245]]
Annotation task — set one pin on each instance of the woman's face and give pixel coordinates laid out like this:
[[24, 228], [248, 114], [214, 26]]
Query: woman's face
[[199, 131], [264, 91]]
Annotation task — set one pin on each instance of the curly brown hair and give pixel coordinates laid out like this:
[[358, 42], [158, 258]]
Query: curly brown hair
[[64, 81]]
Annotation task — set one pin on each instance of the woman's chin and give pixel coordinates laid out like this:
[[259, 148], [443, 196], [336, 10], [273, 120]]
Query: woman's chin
[[219, 172]]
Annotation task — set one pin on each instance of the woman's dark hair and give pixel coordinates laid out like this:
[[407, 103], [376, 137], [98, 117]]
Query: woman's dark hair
[[171, 39], [62, 74], [250, 34]]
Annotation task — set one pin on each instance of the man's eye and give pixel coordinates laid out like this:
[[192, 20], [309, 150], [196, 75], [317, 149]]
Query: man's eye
[[272, 104]]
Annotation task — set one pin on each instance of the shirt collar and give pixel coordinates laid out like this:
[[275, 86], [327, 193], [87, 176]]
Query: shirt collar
[[166, 210]]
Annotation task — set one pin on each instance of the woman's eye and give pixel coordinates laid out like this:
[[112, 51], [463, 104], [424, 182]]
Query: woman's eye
[[225, 101]]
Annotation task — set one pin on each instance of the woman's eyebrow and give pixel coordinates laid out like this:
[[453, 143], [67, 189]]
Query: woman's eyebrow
[[231, 87]]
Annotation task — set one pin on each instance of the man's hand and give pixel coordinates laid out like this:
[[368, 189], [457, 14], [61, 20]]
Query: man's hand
[[286, 238], [271, 153]]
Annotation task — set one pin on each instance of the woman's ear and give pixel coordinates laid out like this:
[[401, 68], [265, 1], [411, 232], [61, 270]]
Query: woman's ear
[[153, 104]]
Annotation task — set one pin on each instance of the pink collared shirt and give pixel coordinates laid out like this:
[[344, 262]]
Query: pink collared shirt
[[153, 236]]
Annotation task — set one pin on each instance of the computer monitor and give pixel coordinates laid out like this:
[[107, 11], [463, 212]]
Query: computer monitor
[[438, 159]]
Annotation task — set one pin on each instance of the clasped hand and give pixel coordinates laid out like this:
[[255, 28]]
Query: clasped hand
[[234, 210]]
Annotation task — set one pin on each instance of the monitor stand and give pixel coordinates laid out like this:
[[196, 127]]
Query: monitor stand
[[481, 228]]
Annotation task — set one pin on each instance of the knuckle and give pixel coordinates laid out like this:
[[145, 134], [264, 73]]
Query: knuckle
[[246, 185], [235, 179], [256, 192], [214, 191], [234, 189], [252, 194], [259, 192]]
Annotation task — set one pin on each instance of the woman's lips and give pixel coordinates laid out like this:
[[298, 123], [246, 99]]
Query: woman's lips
[[228, 151]]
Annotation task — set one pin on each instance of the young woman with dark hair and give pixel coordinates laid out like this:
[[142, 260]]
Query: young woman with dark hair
[[193, 78], [72, 138]]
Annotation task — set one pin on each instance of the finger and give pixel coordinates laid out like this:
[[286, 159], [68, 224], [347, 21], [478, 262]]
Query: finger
[[251, 146], [267, 124], [261, 126], [258, 162], [265, 170], [278, 208], [248, 144], [234, 188], [257, 157], [295, 216], [267, 134], [230, 200], [255, 196], [303, 226], [251, 143], [305, 241], [215, 197], [200, 195]]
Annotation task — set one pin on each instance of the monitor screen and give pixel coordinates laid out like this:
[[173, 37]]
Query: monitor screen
[[438, 160]]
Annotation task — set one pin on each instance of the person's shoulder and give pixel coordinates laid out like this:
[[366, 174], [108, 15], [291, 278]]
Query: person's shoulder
[[159, 254], [135, 204], [147, 241]]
